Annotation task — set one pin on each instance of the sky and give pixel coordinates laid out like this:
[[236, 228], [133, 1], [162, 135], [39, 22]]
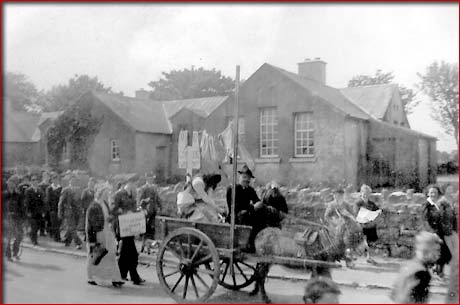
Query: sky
[[128, 45]]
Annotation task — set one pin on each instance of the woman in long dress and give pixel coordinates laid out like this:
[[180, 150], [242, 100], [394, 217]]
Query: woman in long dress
[[100, 233]]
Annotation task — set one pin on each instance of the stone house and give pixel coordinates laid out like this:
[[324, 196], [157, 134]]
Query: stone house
[[22, 139], [299, 130]]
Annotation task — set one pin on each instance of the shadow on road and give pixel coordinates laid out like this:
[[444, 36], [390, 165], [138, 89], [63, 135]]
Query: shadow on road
[[242, 297], [39, 266]]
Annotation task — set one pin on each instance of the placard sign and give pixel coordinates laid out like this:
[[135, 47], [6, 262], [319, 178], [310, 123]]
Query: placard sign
[[132, 224]]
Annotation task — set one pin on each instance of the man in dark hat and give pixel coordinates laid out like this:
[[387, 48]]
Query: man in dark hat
[[245, 198], [53, 193], [34, 203], [13, 217]]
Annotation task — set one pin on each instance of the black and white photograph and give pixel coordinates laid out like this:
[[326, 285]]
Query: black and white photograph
[[258, 153]]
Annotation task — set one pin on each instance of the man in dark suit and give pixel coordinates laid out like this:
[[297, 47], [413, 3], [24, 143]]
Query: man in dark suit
[[124, 201], [245, 198], [34, 203], [45, 220], [13, 217], [69, 213], [53, 193], [149, 201]]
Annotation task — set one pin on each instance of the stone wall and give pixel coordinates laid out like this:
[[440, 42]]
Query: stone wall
[[396, 227]]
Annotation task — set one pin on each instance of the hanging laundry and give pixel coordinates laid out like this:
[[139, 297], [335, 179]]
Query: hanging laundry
[[226, 139], [196, 156], [182, 147]]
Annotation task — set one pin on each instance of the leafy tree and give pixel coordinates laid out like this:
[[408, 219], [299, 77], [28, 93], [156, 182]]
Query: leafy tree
[[60, 97], [440, 84], [22, 93], [193, 83], [407, 95]]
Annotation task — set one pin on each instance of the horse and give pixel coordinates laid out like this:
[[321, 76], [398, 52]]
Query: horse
[[346, 238]]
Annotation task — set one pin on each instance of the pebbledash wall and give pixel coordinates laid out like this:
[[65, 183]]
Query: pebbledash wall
[[340, 140]]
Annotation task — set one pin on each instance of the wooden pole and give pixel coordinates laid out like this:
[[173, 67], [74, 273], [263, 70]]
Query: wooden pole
[[235, 167]]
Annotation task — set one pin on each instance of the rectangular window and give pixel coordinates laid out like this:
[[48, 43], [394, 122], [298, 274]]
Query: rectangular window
[[304, 135], [268, 132], [114, 150]]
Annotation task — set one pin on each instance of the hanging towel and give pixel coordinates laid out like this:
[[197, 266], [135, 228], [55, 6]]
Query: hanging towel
[[182, 147]]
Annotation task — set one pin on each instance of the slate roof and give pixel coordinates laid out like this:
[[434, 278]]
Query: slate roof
[[373, 99], [405, 130], [202, 106], [20, 127], [142, 115], [331, 95]]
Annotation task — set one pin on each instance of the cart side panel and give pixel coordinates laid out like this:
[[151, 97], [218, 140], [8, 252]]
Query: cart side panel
[[219, 233]]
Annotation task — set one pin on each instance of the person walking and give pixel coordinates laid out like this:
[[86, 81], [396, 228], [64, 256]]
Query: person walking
[[100, 236], [53, 193], [149, 201], [68, 213], [124, 201], [369, 229], [413, 282], [45, 220], [13, 218], [34, 203], [439, 218], [87, 197]]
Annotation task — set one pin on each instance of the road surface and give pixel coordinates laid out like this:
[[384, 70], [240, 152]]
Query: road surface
[[44, 277]]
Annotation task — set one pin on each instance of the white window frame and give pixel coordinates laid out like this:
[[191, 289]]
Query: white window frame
[[268, 141], [304, 132], [114, 150]]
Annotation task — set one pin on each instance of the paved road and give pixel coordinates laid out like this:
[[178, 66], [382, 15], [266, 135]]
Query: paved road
[[44, 277]]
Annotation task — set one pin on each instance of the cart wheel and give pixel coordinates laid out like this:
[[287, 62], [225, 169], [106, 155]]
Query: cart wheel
[[188, 266], [241, 275]]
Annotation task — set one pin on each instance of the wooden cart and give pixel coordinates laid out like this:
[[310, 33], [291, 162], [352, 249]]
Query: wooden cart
[[194, 258]]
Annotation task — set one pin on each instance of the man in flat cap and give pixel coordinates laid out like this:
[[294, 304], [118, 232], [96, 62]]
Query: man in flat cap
[[69, 213], [413, 282], [34, 203]]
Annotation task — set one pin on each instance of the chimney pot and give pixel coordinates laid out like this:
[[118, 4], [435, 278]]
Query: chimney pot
[[317, 58], [307, 59]]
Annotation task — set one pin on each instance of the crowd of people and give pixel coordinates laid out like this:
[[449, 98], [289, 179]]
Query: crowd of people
[[46, 207]]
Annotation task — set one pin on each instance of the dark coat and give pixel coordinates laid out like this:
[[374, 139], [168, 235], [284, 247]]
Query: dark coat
[[52, 198], [87, 197], [123, 202], [34, 202], [153, 206], [69, 206], [442, 221], [244, 199], [94, 221], [12, 205]]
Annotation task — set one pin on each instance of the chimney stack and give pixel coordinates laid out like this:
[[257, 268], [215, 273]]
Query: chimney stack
[[142, 94], [313, 69]]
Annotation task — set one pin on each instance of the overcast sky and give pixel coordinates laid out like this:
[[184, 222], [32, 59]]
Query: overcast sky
[[127, 46]]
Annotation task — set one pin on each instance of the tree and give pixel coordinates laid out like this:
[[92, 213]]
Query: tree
[[22, 93], [60, 97], [407, 95], [440, 84], [193, 83]]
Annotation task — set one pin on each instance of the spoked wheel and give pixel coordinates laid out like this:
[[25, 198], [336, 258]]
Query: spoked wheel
[[188, 266], [238, 276]]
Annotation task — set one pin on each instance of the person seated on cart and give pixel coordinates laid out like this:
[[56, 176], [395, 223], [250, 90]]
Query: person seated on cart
[[245, 198], [196, 202]]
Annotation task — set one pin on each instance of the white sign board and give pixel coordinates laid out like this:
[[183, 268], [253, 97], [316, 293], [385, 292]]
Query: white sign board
[[366, 216], [196, 156], [182, 148], [132, 224]]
